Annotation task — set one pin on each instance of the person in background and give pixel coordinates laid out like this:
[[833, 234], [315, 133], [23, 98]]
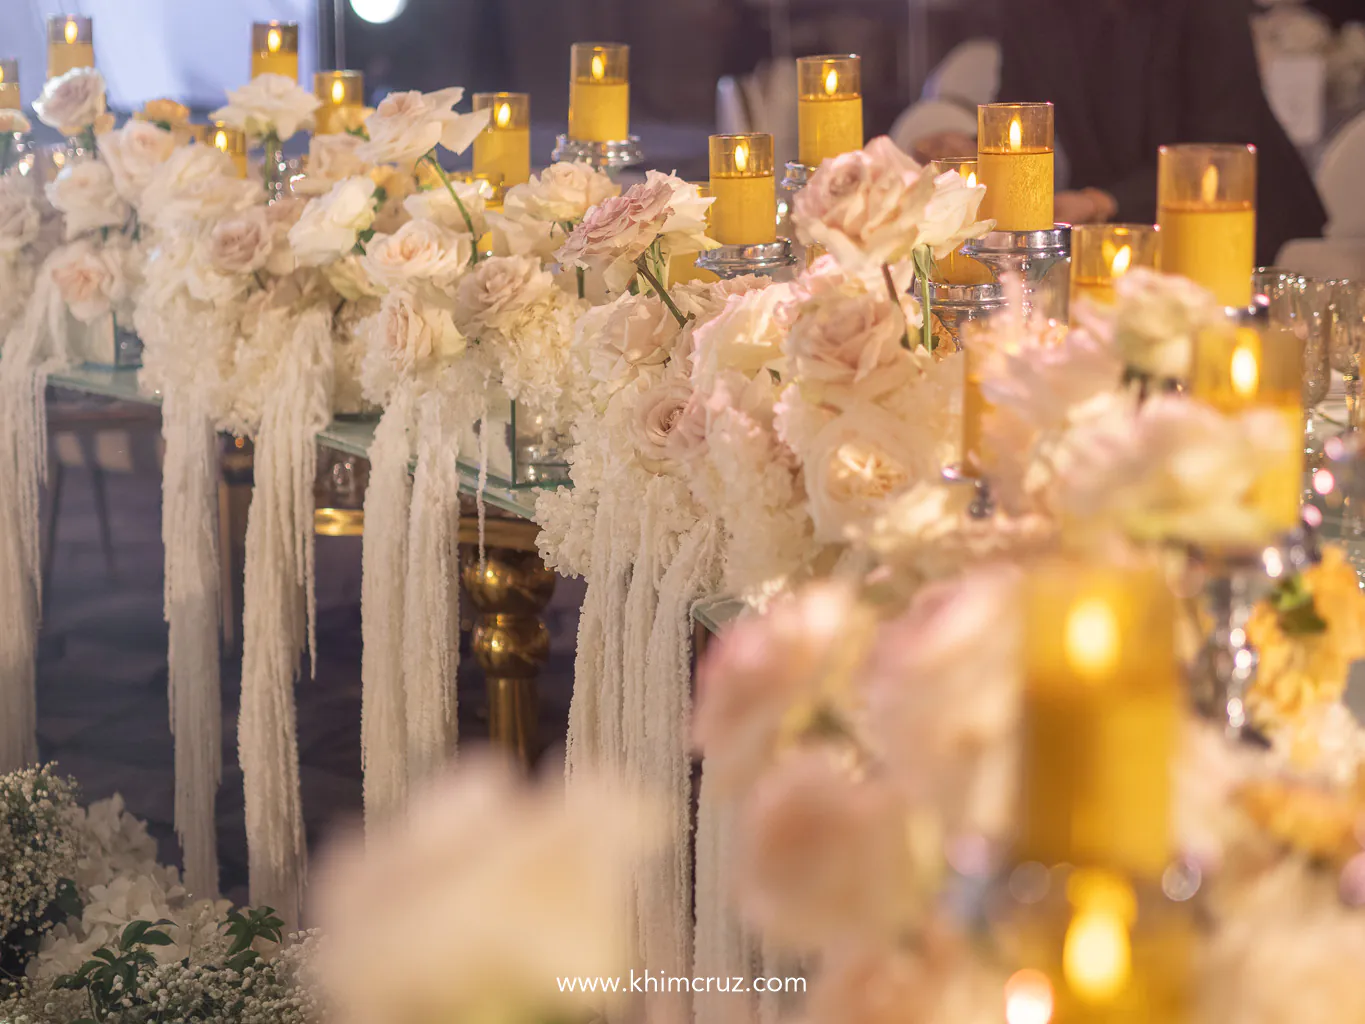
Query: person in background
[[1128, 76]]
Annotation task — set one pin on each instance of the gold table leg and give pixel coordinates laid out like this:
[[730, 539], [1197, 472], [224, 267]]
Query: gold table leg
[[509, 590]]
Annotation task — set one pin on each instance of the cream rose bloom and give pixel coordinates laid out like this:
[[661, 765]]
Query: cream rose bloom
[[92, 279], [241, 244], [497, 290], [562, 192], [745, 335], [1156, 318], [438, 205], [194, 187], [331, 224], [85, 194], [331, 158], [418, 251], [20, 219], [656, 413], [72, 102], [415, 335], [406, 126], [950, 215], [626, 337], [133, 154], [13, 122], [350, 279], [269, 104]]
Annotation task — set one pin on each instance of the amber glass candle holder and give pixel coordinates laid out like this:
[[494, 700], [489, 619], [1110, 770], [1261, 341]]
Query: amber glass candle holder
[[70, 43], [503, 149], [1249, 363], [1206, 208], [9, 85], [829, 106], [275, 49], [745, 190], [341, 93], [599, 92], [1015, 162], [1102, 253], [231, 141], [1101, 712]]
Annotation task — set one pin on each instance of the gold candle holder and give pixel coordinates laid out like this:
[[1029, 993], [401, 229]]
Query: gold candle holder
[[503, 149], [70, 43], [1101, 714], [742, 181], [1102, 253], [342, 94], [231, 141], [9, 85], [599, 92], [275, 49], [1239, 365], [957, 268], [829, 106], [1206, 208], [1015, 163]]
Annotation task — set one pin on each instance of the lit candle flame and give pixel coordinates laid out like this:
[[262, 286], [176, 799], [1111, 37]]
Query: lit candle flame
[[1028, 998], [1016, 134], [741, 157], [273, 40], [971, 179], [1208, 187], [1096, 955], [2, 74], [1092, 638], [1123, 259], [504, 115], [220, 141], [599, 67], [1245, 372], [71, 31], [832, 82], [338, 92]]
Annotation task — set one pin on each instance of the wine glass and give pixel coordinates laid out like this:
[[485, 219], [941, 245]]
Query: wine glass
[[1347, 314]]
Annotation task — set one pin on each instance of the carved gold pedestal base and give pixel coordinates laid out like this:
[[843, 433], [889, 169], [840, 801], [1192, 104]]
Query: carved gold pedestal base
[[509, 590]]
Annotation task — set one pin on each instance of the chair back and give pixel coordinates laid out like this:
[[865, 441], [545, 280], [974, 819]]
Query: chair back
[[1339, 180]]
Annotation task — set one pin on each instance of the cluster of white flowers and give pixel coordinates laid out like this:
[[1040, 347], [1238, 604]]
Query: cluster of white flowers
[[39, 847]]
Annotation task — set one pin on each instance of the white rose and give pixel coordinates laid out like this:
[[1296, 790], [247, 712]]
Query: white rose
[[414, 335], [133, 154], [745, 335], [495, 291], [419, 250], [1156, 318], [13, 122], [269, 104], [72, 102], [241, 244], [350, 279], [437, 204], [656, 414], [20, 220], [950, 215], [331, 158], [331, 224], [85, 193], [562, 192], [194, 187], [91, 279], [621, 338], [406, 126]]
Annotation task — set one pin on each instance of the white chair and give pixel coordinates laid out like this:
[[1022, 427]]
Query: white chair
[[764, 101], [1324, 258], [928, 117], [1339, 180], [968, 76]]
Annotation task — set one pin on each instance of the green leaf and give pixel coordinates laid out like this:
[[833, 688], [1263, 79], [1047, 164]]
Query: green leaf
[[133, 933], [69, 981], [1295, 608]]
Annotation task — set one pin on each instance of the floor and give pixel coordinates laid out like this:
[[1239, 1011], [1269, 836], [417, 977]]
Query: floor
[[102, 708]]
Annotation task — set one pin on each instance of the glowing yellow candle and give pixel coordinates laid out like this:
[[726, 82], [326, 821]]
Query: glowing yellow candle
[[1206, 207], [275, 49], [342, 94], [745, 210], [233, 143], [1101, 712], [1015, 162], [683, 267], [503, 149], [829, 107], [1102, 253], [1238, 367], [70, 43], [9, 85], [957, 268], [599, 92]]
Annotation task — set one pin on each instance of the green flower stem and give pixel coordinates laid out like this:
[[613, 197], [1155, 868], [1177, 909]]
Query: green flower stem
[[6, 141], [924, 270], [896, 301], [582, 282], [642, 263], [450, 187]]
